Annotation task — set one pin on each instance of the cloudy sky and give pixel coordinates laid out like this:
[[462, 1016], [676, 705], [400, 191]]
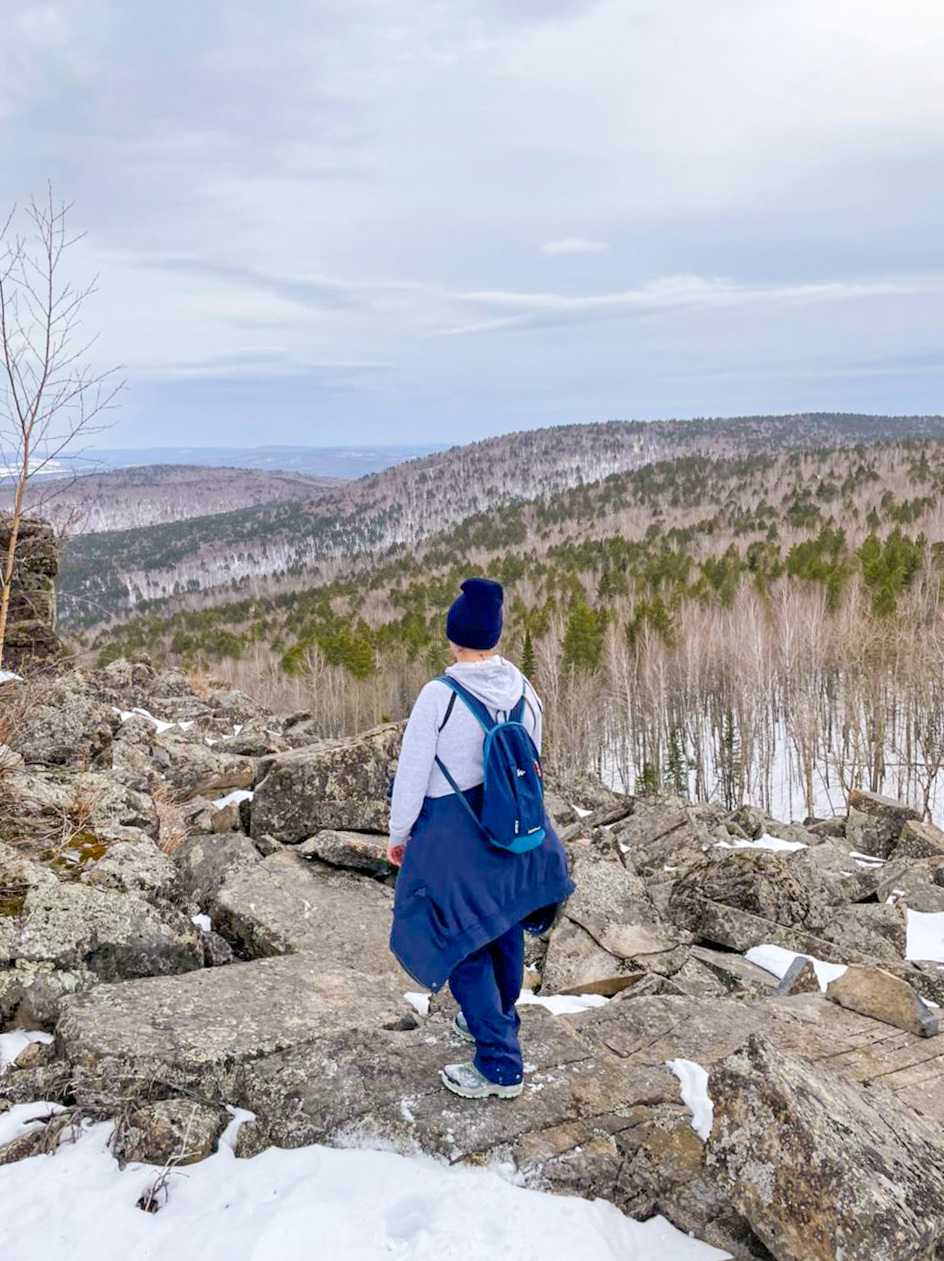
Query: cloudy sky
[[332, 221]]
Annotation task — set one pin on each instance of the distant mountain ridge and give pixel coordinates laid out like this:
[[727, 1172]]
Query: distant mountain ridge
[[346, 462], [398, 508], [146, 495]]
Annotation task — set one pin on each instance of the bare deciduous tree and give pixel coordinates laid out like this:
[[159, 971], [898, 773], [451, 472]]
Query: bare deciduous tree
[[49, 394]]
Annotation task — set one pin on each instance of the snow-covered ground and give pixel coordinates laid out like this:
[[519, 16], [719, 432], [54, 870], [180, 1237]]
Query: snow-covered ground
[[310, 1204], [778, 787]]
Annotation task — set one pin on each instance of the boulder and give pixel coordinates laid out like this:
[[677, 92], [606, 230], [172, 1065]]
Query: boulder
[[919, 840], [170, 683], [133, 867], [820, 1167], [360, 851], [736, 974], [285, 904], [875, 822], [874, 992], [43, 807], [64, 724], [576, 964], [667, 832], [603, 817], [830, 869], [68, 936], [609, 929], [336, 784], [743, 898], [799, 978], [205, 863], [124, 684], [196, 769], [169, 1132], [868, 930], [915, 882], [834, 827], [574, 787], [740, 930]]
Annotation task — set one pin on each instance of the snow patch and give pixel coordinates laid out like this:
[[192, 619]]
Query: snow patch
[[694, 1082], [203, 922], [762, 842], [280, 1204], [925, 936], [21, 1119], [7, 676], [233, 798], [777, 960], [160, 724], [563, 1004], [419, 1003], [580, 812]]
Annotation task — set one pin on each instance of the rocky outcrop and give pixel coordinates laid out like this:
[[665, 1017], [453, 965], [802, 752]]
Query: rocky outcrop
[[334, 1055], [31, 626], [190, 955], [70, 936]]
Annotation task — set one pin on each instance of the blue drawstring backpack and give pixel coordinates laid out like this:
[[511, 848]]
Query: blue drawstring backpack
[[512, 815]]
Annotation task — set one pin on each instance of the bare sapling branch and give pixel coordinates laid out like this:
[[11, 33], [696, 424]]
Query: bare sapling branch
[[50, 395]]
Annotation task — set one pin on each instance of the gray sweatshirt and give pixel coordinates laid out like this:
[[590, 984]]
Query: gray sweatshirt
[[496, 682]]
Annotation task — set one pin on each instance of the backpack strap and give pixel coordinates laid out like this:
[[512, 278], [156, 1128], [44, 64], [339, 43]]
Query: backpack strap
[[486, 721], [449, 709]]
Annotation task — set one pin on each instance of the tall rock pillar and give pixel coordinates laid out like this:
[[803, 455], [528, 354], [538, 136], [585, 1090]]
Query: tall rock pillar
[[31, 623]]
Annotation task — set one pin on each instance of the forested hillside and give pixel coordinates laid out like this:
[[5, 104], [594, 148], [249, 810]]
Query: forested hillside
[[763, 625], [155, 494], [278, 546]]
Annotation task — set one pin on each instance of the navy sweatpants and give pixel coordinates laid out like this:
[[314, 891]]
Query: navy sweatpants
[[486, 986]]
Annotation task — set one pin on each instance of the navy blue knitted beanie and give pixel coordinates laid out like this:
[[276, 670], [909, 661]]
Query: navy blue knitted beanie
[[475, 618]]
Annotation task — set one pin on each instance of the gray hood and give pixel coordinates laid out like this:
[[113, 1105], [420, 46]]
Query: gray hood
[[497, 682]]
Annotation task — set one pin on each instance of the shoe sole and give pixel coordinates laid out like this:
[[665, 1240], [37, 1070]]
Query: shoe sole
[[464, 1034], [493, 1091]]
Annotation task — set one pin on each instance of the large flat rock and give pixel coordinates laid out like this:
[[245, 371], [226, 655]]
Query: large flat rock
[[822, 1169], [199, 1029]]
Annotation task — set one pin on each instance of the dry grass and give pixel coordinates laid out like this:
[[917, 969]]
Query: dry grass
[[204, 684], [172, 826]]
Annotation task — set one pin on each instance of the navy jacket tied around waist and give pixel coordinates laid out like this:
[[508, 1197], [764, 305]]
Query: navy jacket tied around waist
[[456, 891]]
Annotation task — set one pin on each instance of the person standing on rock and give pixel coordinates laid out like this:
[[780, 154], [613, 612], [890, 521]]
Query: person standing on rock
[[480, 861]]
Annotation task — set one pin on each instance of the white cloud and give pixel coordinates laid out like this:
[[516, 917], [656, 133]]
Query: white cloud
[[673, 294], [573, 245]]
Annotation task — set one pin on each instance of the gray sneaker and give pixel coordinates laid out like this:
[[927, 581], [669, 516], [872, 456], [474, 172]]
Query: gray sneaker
[[460, 1025], [466, 1081]]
